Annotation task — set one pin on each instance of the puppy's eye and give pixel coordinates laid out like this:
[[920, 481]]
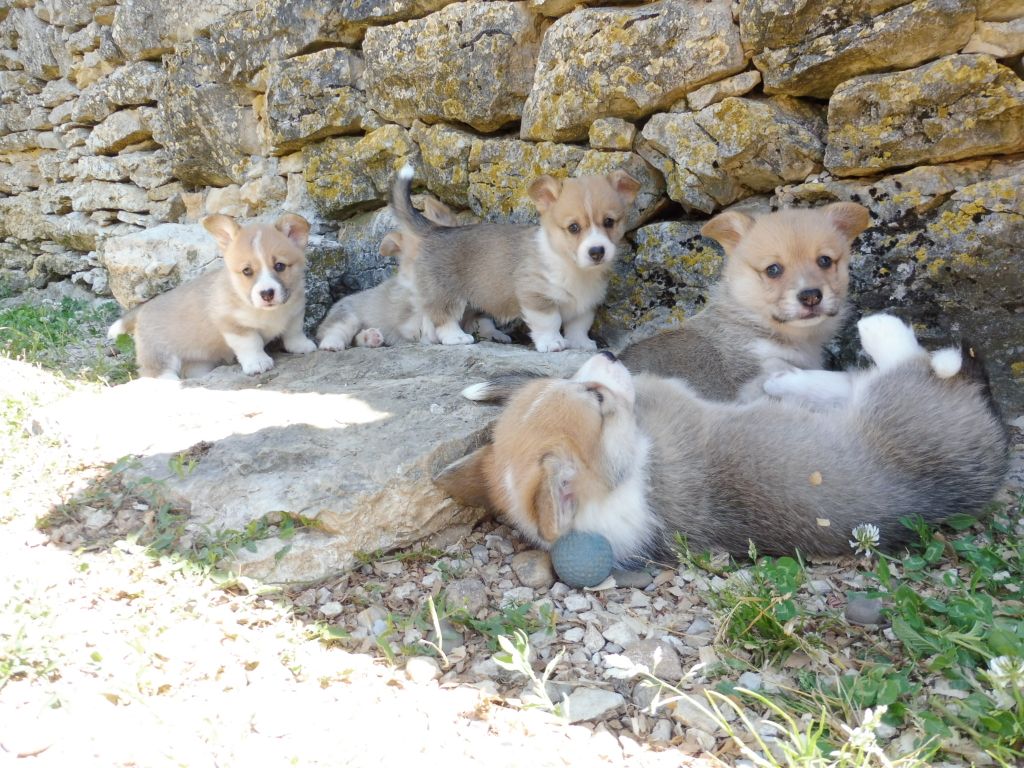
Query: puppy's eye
[[773, 270], [608, 222], [247, 271], [280, 266], [596, 393], [574, 228], [824, 261]]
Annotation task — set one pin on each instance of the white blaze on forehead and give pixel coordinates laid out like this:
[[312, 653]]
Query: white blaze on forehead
[[257, 243], [538, 401]]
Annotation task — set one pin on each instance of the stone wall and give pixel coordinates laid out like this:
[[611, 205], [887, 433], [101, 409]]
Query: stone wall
[[122, 124]]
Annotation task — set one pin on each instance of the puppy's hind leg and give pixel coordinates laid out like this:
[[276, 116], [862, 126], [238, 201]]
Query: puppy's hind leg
[[822, 389], [888, 340], [369, 337], [337, 330]]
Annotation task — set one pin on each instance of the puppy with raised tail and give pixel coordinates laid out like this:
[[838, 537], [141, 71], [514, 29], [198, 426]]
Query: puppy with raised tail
[[553, 275], [640, 459], [232, 312], [388, 313], [781, 298]]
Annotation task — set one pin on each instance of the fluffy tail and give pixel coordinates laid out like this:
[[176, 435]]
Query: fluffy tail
[[401, 203], [124, 325], [500, 388]]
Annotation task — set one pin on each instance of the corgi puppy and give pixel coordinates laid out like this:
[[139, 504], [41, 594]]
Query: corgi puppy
[[388, 313], [781, 298], [553, 275], [642, 459], [229, 313]]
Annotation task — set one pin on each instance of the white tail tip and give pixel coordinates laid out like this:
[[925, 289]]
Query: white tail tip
[[946, 363], [116, 330], [476, 392], [406, 172]]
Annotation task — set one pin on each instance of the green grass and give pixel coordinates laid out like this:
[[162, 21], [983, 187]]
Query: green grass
[[67, 337], [954, 609]]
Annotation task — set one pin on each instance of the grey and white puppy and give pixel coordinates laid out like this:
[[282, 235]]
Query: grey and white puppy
[[642, 459], [553, 275], [781, 298]]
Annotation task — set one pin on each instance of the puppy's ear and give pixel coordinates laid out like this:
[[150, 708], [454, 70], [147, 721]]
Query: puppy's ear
[[849, 218], [465, 480], [556, 500], [438, 212], [223, 228], [391, 245], [294, 227], [624, 184], [728, 228], [544, 191]]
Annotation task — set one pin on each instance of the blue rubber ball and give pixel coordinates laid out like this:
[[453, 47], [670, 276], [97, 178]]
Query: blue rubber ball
[[582, 559]]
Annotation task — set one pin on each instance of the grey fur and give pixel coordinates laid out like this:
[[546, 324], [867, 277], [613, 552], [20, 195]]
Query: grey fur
[[725, 474]]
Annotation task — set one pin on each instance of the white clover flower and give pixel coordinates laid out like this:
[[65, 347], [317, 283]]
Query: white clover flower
[[865, 538], [1006, 672], [862, 737]]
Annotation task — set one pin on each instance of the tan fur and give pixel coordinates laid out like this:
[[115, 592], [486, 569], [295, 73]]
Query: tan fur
[[553, 276], [220, 315], [755, 324], [640, 459]]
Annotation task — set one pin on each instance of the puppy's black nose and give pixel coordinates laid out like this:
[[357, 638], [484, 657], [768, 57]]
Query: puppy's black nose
[[809, 297], [596, 253], [267, 294], [608, 355]]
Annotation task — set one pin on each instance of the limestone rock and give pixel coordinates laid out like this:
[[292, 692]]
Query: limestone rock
[[470, 62], [277, 447], [611, 133], [1000, 10], [1000, 39], [626, 62], [712, 93], [444, 152], [903, 37], [132, 85], [147, 263], [735, 148], [942, 253], [348, 174], [592, 703], [664, 279], [953, 108], [781, 23], [40, 50], [45, 215], [314, 96], [562, 7], [501, 171], [356, 18], [105, 195], [658, 656], [19, 173], [145, 29], [123, 128]]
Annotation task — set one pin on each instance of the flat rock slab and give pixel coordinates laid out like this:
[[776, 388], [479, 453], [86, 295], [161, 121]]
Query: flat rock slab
[[348, 439]]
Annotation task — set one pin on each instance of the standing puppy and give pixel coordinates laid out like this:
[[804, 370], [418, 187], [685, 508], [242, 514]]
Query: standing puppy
[[781, 298], [553, 276], [257, 296]]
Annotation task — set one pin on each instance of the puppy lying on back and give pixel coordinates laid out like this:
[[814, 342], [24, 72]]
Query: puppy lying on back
[[553, 275], [256, 297], [640, 459], [388, 313], [781, 298]]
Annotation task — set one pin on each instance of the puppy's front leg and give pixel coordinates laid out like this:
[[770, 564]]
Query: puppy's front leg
[[248, 348], [576, 332], [545, 329], [293, 338], [815, 388]]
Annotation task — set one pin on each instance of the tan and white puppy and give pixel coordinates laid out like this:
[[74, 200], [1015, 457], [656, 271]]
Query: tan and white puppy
[[386, 314], [642, 459], [229, 313], [553, 275], [781, 298]]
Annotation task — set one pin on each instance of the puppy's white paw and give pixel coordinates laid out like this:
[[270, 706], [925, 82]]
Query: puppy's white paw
[[369, 337], [887, 340], [495, 335], [332, 343], [257, 363], [782, 383], [586, 343], [549, 344], [451, 337], [300, 346]]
